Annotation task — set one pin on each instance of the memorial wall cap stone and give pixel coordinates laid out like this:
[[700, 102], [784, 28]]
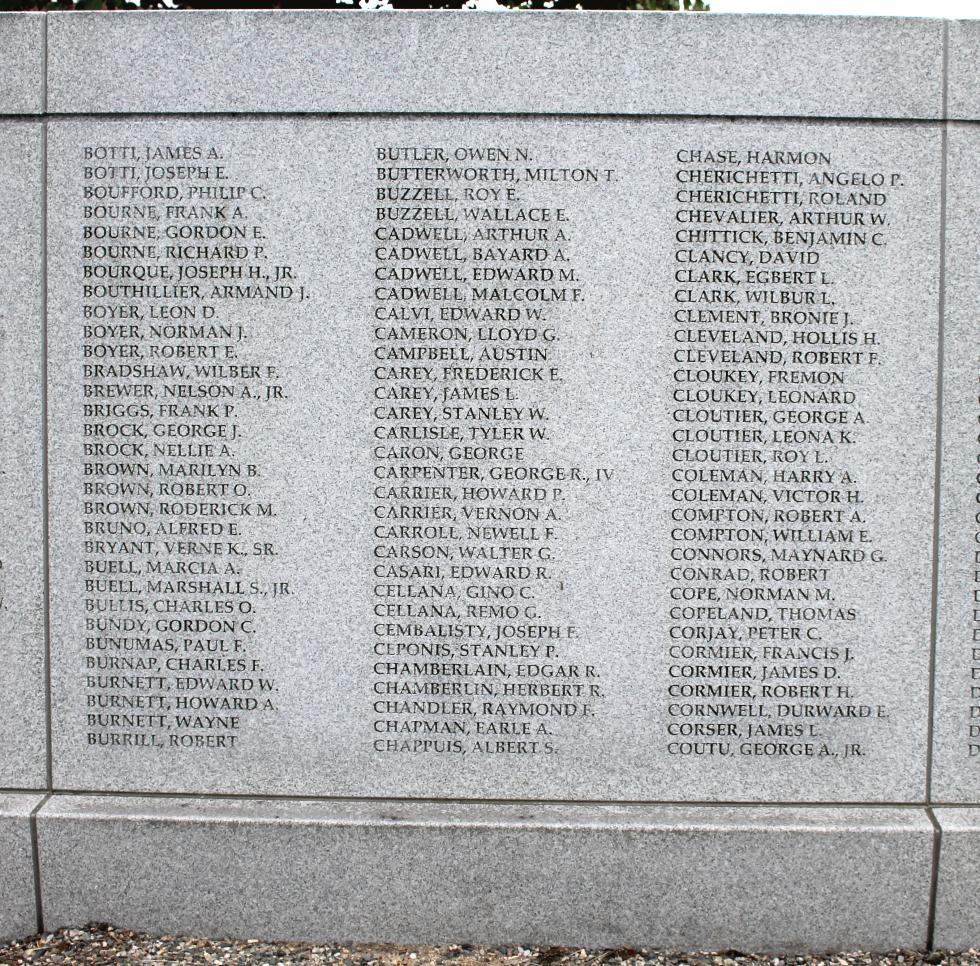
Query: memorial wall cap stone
[[21, 63], [608, 62], [963, 80]]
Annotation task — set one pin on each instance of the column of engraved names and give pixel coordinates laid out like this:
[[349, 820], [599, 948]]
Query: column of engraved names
[[767, 512], [473, 283], [179, 559], [972, 726], [6, 348], [5, 568]]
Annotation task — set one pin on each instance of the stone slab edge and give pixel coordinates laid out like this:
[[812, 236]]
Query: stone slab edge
[[21, 63], [588, 875], [18, 911], [23, 745], [594, 62]]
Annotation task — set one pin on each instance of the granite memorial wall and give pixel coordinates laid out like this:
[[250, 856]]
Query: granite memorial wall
[[491, 477]]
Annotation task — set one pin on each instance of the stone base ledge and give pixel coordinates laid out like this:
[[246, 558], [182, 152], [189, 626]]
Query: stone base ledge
[[958, 884], [694, 877], [18, 909]]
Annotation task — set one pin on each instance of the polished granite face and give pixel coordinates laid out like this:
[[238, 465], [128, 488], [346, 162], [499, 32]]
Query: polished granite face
[[956, 749], [543, 506]]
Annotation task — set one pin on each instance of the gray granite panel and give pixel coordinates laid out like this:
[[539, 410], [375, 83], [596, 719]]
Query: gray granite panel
[[22, 734], [608, 876], [957, 912], [18, 911], [956, 749], [964, 84], [21, 63], [598, 465], [425, 61]]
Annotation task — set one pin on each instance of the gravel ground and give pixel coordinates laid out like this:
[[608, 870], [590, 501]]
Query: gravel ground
[[97, 945]]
